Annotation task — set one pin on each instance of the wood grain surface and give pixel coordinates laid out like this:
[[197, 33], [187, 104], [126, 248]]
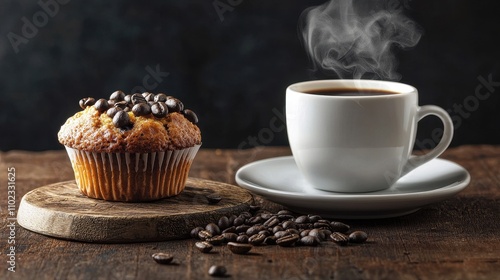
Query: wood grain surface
[[61, 210], [454, 239]]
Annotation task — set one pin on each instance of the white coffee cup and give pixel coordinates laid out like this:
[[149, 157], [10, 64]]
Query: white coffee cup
[[358, 143]]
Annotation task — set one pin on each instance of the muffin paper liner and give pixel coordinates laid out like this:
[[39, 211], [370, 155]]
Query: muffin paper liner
[[131, 177]]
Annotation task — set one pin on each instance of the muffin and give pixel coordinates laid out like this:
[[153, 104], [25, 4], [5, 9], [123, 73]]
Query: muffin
[[131, 148]]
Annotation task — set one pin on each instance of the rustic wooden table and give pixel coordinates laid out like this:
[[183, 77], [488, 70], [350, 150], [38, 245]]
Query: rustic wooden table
[[455, 239]]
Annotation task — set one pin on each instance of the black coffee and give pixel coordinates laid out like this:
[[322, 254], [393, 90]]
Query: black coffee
[[350, 92]]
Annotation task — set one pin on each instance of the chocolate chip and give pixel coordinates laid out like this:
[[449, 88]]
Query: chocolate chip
[[191, 116], [101, 105], [159, 109], [121, 119], [141, 109], [86, 102], [117, 96]]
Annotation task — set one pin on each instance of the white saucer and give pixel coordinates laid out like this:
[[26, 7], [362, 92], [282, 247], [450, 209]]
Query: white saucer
[[279, 180]]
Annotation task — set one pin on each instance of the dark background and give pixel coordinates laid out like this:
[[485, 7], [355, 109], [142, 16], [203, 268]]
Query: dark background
[[231, 68]]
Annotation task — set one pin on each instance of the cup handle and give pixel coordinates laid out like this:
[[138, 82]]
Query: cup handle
[[423, 111]]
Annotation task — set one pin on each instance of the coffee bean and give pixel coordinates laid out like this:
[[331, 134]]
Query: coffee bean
[[137, 98], [287, 241], [194, 232], [203, 246], [128, 98], [223, 222], [280, 234], [265, 232], [174, 105], [339, 227], [162, 258], [270, 240], [239, 248], [272, 222], [117, 96], [191, 116], [121, 119], [302, 219], [314, 218], [86, 102], [309, 241], [322, 225], [253, 208], [242, 228], [213, 198], [121, 104], [277, 228], [304, 232], [284, 217], [284, 212], [213, 229], [160, 97], [254, 220], [159, 110], [231, 229], [229, 236], [318, 233], [257, 239], [289, 224], [292, 231], [238, 221], [101, 105], [245, 215], [217, 271], [266, 216], [203, 235], [242, 239], [111, 112], [141, 109], [216, 240], [254, 230], [339, 238], [358, 237]]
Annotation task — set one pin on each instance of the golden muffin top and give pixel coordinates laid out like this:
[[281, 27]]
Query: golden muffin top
[[137, 123]]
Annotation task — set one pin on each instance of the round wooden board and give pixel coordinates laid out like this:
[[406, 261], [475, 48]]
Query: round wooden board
[[60, 210]]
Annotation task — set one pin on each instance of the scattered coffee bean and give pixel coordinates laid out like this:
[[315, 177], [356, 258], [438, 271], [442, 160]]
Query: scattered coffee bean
[[231, 229], [339, 227], [223, 222], [194, 232], [121, 104], [270, 240], [217, 271], [302, 219], [216, 240], [287, 241], [257, 239], [242, 239], [230, 237], [213, 198], [358, 237], [174, 105], [162, 258], [253, 208], [137, 98], [309, 241], [318, 233], [213, 229], [272, 222], [203, 246], [203, 235], [242, 228], [339, 238], [239, 248]]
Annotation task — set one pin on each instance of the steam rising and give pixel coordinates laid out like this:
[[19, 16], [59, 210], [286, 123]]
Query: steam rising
[[356, 41]]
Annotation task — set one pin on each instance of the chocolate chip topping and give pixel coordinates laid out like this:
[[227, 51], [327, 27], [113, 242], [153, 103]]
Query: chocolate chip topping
[[141, 104]]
